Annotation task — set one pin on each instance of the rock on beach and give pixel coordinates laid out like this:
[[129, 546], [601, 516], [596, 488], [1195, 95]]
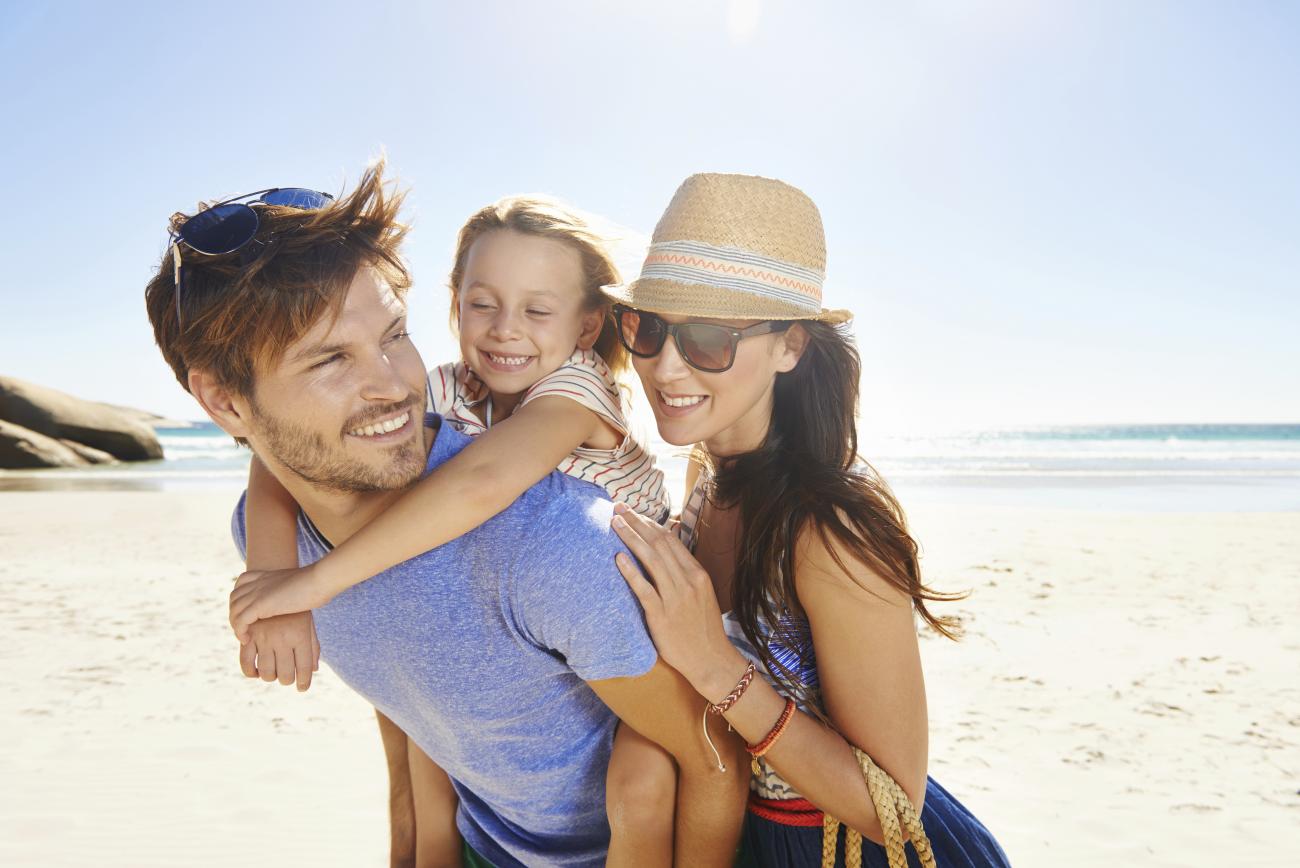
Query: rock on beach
[[44, 427]]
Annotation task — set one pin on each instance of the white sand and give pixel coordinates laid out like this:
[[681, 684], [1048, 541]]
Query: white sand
[[1129, 692]]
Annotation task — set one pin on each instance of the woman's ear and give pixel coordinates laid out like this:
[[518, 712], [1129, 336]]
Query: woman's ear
[[794, 341], [592, 323]]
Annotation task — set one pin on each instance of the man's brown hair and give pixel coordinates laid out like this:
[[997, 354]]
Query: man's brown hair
[[239, 311]]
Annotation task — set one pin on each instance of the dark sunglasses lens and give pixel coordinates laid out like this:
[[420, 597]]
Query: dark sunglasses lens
[[707, 347], [220, 229], [643, 333], [297, 197]]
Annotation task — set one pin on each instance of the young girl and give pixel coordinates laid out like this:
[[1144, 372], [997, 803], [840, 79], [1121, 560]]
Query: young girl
[[806, 551], [536, 386]]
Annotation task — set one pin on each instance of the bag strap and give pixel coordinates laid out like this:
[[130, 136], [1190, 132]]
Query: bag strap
[[896, 813]]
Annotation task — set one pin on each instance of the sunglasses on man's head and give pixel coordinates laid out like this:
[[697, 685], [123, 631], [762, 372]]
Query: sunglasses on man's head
[[709, 347], [227, 226]]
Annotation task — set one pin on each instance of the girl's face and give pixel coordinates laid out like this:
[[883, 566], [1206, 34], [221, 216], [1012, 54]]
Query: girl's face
[[521, 309], [728, 412]]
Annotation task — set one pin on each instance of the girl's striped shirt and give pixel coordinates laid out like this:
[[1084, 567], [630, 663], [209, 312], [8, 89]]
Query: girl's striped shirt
[[627, 472]]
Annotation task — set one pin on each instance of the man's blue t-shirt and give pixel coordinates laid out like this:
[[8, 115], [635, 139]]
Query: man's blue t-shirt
[[480, 649]]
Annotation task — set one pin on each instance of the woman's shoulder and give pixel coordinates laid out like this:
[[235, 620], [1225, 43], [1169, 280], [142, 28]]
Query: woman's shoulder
[[827, 566]]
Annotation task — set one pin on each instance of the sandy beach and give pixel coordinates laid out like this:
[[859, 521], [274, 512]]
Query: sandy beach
[[1128, 692]]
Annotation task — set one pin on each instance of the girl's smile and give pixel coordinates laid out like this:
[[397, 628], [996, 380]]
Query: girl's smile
[[521, 310]]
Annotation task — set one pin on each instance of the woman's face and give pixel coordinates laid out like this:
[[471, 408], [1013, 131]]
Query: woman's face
[[728, 412]]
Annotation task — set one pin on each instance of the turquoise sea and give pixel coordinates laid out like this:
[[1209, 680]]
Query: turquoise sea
[[1186, 467], [1120, 467]]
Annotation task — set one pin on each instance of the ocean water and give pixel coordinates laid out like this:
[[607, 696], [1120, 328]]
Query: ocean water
[[199, 456], [1190, 467], [1121, 467]]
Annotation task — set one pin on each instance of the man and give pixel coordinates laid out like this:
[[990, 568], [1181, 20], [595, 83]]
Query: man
[[506, 656]]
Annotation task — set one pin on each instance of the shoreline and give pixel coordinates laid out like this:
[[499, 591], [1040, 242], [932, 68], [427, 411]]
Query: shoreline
[[1265, 492]]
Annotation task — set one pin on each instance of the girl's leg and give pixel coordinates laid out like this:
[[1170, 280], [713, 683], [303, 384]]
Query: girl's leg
[[437, 841], [401, 812], [640, 799]]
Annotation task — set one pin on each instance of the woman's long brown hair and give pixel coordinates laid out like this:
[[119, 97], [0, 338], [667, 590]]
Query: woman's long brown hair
[[807, 476]]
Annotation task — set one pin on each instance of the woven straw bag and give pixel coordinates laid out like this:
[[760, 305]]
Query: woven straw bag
[[896, 813]]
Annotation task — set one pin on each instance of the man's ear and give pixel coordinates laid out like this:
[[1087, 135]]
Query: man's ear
[[592, 322], [794, 341], [223, 407]]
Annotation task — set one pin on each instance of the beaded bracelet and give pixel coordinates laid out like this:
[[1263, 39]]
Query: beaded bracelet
[[736, 692], [757, 750]]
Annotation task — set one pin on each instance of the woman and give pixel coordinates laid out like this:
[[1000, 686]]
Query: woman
[[807, 552]]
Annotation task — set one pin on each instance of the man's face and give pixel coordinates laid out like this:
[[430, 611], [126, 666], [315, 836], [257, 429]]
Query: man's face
[[344, 407]]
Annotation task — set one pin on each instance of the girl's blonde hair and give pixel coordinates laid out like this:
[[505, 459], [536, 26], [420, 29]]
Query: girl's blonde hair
[[549, 218]]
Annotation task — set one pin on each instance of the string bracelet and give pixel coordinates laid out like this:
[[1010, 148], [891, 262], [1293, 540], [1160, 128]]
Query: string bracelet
[[721, 707], [757, 750], [704, 727], [736, 692]]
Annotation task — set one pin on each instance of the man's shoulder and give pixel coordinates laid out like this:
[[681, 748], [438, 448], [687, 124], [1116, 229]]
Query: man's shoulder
[[563, 504], [554, 534], [563, 589], [556, 501]]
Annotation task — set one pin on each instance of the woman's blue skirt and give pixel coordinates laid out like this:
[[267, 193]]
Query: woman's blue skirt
[[957, 838]]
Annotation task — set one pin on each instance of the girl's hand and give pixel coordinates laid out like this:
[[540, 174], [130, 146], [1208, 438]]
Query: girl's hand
[[260, 594], [283, 648], [681, 608]]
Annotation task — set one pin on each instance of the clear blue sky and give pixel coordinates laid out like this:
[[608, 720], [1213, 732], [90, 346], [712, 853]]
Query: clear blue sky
[[1040, 212]]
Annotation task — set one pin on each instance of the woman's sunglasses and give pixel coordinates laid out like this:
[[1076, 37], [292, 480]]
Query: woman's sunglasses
[[227, 226], [704, 346]]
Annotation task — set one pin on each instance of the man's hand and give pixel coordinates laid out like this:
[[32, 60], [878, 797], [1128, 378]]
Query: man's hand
[[262, 594], [283, 648]]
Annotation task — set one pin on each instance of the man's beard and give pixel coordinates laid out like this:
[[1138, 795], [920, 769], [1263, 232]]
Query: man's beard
[[306, 453]]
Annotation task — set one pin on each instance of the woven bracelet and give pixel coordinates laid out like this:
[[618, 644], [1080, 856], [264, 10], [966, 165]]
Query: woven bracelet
[[757, 750], [736, 692]]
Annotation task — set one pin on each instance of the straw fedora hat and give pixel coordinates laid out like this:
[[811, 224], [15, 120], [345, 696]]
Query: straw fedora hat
[[734, 247]]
